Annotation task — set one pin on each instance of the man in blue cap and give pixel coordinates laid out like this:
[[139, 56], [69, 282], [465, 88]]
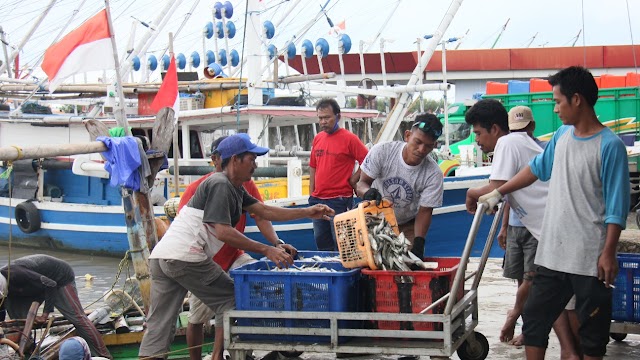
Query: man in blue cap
[[182, 261]]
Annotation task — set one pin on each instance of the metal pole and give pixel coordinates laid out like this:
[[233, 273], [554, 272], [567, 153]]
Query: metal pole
[[464, 260], [4, 49], [383, 25], [382, 64], [420, 96], [395, 117], [487, 247], [445, 103], [362, 71], [152, 33], [121, 119], [26, 38], [176, 144]]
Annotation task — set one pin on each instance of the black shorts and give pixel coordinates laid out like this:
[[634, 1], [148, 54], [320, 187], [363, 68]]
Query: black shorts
[[550, 292]]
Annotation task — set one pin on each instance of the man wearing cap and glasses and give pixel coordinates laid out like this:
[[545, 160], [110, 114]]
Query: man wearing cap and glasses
[[402, 171], [182, 261], [512, 151], [226, 256]]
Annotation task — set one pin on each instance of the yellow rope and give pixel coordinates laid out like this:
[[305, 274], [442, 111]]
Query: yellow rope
[[19, 150], [124, 263]]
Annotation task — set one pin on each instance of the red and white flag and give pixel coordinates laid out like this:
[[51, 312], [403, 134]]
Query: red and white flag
[[86, 48], [167, 95]]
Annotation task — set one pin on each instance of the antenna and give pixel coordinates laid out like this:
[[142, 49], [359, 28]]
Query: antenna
[[531, 40], [575, 39], [460, 39], [500, 34]]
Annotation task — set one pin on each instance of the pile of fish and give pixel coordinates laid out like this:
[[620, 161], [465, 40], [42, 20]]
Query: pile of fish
[[318, 258], [316, 267], [391, 251]]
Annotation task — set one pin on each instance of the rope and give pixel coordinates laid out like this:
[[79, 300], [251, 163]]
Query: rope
[[10, 183], [19, 150], [124, 263]]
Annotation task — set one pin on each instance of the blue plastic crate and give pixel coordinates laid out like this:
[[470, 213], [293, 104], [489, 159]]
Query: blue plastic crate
[[517, 87], [626, 295], [256, 288]]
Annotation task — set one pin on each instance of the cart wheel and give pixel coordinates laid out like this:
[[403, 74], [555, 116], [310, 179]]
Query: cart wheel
[[291, 354], [474, 349], [618, 336]]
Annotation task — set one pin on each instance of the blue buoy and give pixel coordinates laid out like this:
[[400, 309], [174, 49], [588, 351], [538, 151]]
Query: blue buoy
[[271, 49], [228, 9], [135, 62], [222, 57], [322, 47], [181, 61], [231, 29], [307, 49], [219, 30], [194, 59], [217, 10], [269, 29], [165, 62], [344, 43], [210, 56], [291, 50], [234, 57], [208, 30], [214, 70], [152, 62], [219, 7]]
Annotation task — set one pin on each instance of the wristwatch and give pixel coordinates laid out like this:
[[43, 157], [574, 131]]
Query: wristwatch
[[280, 242]]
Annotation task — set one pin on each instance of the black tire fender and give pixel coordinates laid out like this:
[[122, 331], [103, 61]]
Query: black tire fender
[[28, 217]]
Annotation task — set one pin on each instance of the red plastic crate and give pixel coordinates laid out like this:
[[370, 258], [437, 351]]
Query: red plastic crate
[[612, 81], [409, 292], [497, 88], [632, 79], [539, 85]]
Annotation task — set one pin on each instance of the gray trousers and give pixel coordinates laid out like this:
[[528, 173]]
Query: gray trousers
[[170, 281]]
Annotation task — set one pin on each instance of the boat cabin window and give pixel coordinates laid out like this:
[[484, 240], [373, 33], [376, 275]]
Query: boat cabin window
[[194, 142], [194, 145], [457, 132]]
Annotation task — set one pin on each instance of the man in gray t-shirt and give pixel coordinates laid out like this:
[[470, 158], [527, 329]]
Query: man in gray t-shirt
[[402, 171]]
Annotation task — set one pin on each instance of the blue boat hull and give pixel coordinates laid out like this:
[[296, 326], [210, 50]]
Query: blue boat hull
[[100, 229]]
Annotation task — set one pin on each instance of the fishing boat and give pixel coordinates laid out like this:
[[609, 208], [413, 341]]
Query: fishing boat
[[67, 204]]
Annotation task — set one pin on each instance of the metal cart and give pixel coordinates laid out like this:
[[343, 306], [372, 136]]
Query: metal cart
[[344, 335]]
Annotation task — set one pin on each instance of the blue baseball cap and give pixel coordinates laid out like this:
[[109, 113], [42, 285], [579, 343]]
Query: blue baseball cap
[[238, 144]]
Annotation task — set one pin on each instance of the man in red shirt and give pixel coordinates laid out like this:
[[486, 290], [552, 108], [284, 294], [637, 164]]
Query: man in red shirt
[[227, 256], [333, 157]]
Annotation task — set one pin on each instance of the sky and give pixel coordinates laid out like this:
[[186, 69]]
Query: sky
[[478, 22]]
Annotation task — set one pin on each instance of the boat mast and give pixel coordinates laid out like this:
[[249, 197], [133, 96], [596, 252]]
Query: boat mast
[[26, 38], [397, 113], [252, 53], [150, 35]]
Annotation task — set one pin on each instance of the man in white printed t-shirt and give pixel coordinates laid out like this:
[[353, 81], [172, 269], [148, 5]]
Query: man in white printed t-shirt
[[402, 171], [512, 152]]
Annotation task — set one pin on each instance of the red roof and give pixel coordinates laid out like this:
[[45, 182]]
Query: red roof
[[482, 60]]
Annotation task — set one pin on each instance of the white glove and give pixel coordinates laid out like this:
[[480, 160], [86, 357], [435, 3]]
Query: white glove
[[490, 200]]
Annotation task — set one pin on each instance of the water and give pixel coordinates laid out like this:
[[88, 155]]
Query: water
[[102, 269]]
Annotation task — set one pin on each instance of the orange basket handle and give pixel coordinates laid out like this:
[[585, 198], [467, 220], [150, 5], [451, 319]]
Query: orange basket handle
[[360, 238]]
